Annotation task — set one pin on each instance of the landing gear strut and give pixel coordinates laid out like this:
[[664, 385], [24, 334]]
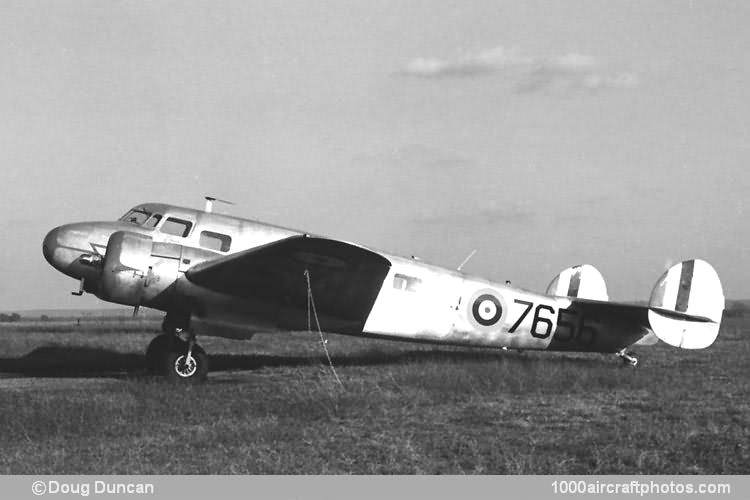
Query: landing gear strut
[[177, 358], [629, 358]]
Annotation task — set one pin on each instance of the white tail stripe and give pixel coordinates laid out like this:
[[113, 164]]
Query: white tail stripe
[[670, 287]]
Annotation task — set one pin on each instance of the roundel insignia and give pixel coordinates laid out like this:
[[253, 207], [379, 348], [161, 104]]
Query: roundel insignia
[[487, 309]]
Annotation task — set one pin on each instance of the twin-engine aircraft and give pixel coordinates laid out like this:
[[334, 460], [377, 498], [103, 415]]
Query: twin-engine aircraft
[[225, 276]]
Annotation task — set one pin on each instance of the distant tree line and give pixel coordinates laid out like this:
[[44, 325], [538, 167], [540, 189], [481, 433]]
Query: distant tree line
[[737, 309], [9, 318]]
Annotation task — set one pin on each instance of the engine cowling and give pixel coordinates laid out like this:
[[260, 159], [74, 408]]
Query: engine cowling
[[125, 268], [139, 271]]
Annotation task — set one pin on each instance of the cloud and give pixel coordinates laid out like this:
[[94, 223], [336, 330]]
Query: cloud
[[477, 64], [568, 72]]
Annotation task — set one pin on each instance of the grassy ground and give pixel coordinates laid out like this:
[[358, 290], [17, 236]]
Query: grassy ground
[[76, 399]]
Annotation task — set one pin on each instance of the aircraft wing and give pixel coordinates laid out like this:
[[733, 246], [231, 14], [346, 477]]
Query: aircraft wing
[[345, 278]]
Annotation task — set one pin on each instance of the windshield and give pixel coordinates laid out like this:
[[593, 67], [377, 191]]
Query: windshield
[[136, 216]]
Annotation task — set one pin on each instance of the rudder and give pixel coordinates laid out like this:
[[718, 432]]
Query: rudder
[[686, 305], [583, 282]]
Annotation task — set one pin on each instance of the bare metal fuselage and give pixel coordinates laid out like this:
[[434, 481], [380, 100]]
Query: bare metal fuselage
[[416, 301]]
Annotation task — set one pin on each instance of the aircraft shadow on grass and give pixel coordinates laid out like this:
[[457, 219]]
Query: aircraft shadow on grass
[[93, 362]]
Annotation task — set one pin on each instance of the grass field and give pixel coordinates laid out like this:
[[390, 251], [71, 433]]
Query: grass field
[[76, 399]]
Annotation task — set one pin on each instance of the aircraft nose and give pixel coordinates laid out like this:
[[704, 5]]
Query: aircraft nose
[[50, 244], [64, 246], [69, 248]]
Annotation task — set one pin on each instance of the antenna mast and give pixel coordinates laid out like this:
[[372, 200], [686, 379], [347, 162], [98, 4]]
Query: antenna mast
[[462, 264], [210, 203]]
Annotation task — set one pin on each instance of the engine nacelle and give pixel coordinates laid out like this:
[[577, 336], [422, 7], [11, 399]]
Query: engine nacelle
[[125, 268], [137, 271]]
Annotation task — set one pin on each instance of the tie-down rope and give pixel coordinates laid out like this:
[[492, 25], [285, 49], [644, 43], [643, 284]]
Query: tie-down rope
[[311, 307]]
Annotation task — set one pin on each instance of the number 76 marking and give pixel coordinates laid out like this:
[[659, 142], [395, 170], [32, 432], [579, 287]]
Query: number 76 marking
[[538, 320]]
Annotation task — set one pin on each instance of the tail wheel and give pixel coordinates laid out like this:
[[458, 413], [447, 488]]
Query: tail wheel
[[631, 362], [181, 366], [629, 358]]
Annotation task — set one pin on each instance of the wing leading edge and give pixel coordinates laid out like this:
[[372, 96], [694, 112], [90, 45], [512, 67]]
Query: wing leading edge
[[345, 279]]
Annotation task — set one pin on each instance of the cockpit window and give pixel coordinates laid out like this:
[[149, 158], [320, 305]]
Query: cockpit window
[[136, 216], [176, 227], [153, 221]]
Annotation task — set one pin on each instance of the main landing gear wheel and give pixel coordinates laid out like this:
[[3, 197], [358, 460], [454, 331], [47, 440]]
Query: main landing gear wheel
[[185, 364]]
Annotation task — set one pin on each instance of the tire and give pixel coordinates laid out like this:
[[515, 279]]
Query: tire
[[176, 370]]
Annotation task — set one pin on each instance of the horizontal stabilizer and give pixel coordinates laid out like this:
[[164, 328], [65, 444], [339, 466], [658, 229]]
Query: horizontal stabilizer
[[686, 305], [583, 282], [649, 339]]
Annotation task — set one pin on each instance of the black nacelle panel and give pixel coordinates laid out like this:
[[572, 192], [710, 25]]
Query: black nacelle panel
[[345, 279]]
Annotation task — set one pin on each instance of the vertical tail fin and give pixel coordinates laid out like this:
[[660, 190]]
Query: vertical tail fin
[[686, 305], [583, 282]]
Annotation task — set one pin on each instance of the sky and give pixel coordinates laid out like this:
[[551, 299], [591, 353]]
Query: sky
[[541, 134]]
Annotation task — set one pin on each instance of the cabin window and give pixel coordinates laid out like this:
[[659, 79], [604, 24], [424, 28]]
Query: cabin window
[[137, 216], [176, 227], [153, 221], [407, 283], [215, 241]]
